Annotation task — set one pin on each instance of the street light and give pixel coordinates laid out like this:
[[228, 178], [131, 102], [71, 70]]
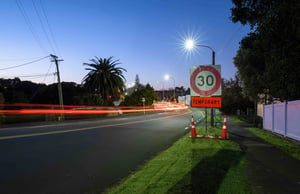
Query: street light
[[189, 45], [167, 77], [162, 93]]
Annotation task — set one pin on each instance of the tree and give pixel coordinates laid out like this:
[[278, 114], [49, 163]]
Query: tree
[[89, 100], [271, 51], [2, 100], [70, 91], [251, 65], [233, 98], [17, 91], [48, 96], [137, 83], [105, 78], [135, 99]]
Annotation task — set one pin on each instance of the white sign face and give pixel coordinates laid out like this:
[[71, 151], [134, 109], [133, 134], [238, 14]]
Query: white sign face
[[205, 80]]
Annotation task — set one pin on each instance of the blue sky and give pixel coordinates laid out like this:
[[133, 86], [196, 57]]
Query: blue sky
[[145, 35]]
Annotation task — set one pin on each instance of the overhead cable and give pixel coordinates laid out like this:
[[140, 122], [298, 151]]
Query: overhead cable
[[48, 72], [29, 24], [49, 27], [229, 41], [42, 25], [36, 75], [15, 66]]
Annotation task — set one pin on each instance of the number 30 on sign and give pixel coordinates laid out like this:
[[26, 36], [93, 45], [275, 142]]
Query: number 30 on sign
[[205, 80]]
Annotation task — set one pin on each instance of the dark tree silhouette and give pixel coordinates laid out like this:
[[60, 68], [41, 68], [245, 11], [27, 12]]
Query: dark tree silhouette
[[105, 78]]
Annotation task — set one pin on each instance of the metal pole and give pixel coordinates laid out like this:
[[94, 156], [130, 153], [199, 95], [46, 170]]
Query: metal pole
[[213, 63], [205, 120], [213, 57], [143, 100], [163, 98], [212, 109], [174, 89]]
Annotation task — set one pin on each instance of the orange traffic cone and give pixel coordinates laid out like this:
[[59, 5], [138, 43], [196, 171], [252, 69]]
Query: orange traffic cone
[[193, 130], [224, 129]]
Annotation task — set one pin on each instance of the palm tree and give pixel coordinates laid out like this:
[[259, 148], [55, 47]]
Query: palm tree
[[105, 78]]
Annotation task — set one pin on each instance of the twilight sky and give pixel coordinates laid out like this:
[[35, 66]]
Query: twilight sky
[[145, 35]]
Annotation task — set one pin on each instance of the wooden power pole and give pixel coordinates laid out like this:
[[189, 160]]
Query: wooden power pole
[[61, 103]]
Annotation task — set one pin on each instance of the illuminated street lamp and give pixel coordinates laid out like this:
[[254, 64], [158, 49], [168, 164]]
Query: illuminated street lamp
[[189, 45], [167, 77]]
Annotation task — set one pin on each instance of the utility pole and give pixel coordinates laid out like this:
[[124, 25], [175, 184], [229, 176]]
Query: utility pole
[[61, 103]]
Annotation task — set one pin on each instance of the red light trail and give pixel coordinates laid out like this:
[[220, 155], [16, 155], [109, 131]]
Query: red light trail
[[67, 109]]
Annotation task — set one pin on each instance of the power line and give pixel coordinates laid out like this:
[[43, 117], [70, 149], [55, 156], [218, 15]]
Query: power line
[[30, 26], [36, 75], [15, 66], [48, 72], [230, 39], [18, 59], [41, 22], [49, 27]]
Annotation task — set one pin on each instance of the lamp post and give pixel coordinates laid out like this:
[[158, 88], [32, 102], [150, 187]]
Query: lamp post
[[167, 77], [189, 45], [163, 93]]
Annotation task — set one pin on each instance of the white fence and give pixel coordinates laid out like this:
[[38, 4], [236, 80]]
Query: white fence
[[283, 118]]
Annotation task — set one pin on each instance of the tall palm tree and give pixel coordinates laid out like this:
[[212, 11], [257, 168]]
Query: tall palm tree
[[104, 77]]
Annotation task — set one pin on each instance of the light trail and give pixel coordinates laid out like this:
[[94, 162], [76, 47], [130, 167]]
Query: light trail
[[87, 128], [86, 109], [67, 106]]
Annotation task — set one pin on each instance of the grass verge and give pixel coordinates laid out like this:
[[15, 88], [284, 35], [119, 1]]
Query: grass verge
[[191, 166], [236, 119], [285, 145]]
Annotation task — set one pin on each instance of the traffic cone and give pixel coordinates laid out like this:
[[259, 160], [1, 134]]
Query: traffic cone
[[224, 129], [193, 130]]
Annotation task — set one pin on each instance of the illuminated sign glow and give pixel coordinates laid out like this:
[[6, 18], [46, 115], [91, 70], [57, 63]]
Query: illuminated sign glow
[[210, 102]]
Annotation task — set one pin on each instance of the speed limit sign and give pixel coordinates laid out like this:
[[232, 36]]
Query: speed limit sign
[[205, 80]]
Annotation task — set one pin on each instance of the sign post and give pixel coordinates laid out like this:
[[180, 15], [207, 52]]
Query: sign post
[[143, 100], [205, 84]]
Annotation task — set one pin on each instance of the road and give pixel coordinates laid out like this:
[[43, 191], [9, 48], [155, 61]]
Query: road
[[83, 156]]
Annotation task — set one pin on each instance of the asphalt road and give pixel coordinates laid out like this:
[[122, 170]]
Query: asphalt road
[[83, 156]]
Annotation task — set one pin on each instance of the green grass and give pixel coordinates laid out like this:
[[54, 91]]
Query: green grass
[[285, 145], [191, 166], [236, 119], [218, 118]]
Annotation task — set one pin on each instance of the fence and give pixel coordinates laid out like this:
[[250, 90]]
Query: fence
[[283, 118]]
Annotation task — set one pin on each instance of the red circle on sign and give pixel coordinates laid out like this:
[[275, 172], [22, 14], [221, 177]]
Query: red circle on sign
[[208, 92]]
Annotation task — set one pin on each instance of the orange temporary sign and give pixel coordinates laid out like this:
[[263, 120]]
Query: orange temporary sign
[[210, 102]]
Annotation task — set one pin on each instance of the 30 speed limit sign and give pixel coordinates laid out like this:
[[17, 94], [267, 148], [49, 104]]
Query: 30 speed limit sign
[[205, 80]]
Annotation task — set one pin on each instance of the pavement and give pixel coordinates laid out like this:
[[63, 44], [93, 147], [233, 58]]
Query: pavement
[[269, 170]]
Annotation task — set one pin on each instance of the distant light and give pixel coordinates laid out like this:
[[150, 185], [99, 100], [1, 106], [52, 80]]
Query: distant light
[[189, 44], [129, 85], [167, 77]]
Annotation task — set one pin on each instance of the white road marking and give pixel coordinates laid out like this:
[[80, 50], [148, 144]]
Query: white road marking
[[85, 128]]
